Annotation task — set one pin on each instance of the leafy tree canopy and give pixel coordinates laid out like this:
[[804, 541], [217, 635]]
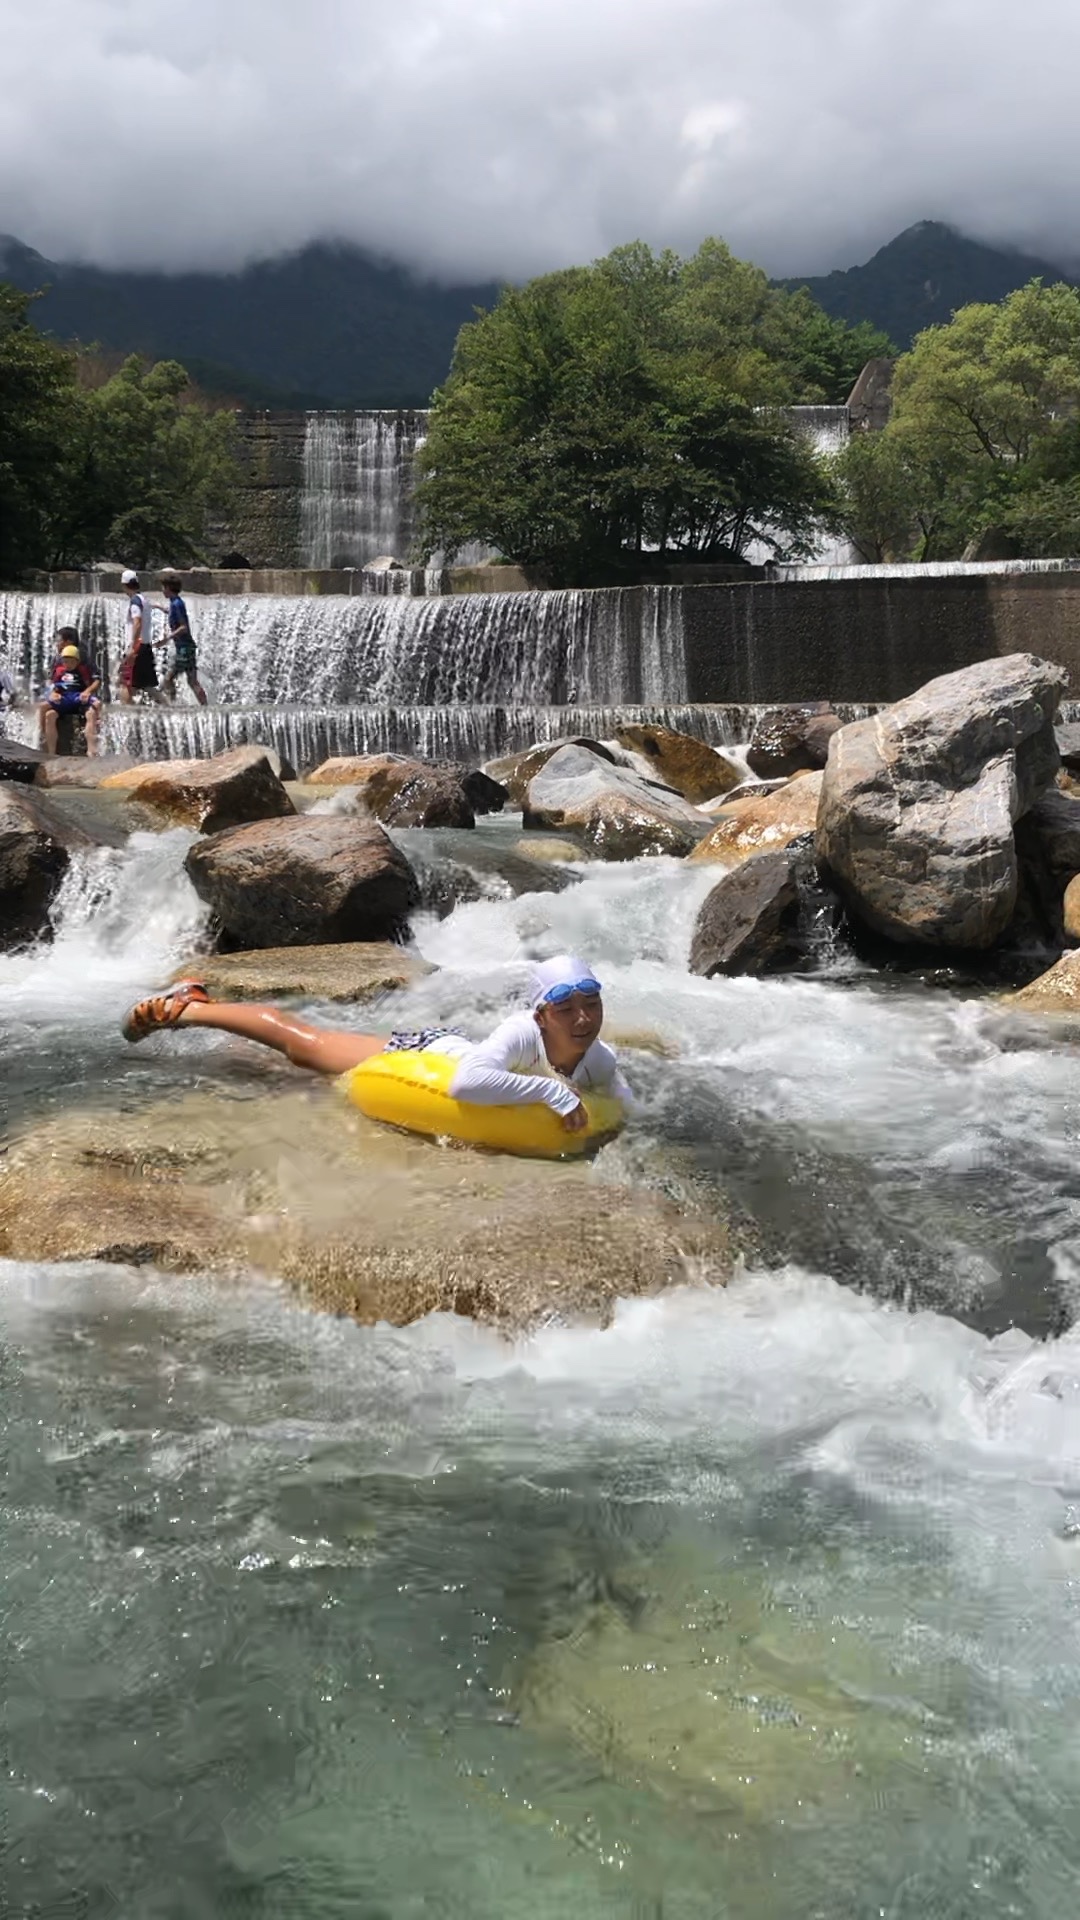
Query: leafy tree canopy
[[984, 438], [127, 464], [633, 406]]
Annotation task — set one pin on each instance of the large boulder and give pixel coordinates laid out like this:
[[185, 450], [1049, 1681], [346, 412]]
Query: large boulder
[[749, 923], [515, 770], [308, 881], [618, 814], [35, 849], [762, 822], [20, 763], [919, 803], [693, 769], [213, 795], [788, 740]]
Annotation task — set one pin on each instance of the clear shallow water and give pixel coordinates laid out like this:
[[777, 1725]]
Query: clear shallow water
[[759, 1603]]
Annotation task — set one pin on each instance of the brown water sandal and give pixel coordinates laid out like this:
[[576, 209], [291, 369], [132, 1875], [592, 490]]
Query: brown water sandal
[[163, 1010]]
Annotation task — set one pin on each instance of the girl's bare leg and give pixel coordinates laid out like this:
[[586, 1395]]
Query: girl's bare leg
[[320, 1049]]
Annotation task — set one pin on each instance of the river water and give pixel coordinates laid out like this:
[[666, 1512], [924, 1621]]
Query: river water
[[760, 1602]]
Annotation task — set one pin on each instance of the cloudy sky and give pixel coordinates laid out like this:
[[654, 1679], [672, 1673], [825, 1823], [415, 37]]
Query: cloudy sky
[[477, 137]]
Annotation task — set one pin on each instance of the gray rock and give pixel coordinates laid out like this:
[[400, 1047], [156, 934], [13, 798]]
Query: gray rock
[[1053, 824], [749, 922], [515, 771], [35, 849], [1068, 739], [20, 763], [306, 881], [407, 793], [915, 823], [789, 740], [615, 811]]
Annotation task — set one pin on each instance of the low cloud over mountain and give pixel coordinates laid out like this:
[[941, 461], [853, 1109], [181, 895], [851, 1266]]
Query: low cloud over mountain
[[474, 140]]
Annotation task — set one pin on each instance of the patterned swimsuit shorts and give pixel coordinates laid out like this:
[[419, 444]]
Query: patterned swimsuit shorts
[[423, 1037]]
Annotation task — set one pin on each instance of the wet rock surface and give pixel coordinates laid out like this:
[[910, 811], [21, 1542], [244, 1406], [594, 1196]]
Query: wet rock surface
[[762, 822], [83, 772], [213, 795], [919, 803], [358, 1219], [36, 844], [306, 881], [749, 923], [613, 810], [515, 770], [413, 793], [789, 740], [19, 763], [680, 761]]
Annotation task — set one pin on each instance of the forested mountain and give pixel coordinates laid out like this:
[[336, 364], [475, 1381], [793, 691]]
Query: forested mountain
[[326, 327], [922, 277]]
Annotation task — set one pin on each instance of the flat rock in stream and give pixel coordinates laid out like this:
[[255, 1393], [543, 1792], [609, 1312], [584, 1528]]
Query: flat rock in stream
[[360, 1220], [82, 771], [349, 971], [20, 763]]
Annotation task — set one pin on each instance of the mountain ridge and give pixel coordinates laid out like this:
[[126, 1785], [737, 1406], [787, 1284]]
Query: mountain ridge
[[332, 326]]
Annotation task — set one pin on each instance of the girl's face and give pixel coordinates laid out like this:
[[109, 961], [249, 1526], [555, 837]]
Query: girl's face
[[573, 1023]]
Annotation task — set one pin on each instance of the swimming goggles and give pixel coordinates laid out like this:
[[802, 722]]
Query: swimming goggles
[[558, 996]]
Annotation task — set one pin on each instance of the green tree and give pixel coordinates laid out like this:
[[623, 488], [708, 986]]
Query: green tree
[[37, 401], [626, 407], [148, 464], [983, 437]]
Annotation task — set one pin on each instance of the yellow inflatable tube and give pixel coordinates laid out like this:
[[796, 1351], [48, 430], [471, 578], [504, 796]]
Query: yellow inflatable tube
[[411, 1090]]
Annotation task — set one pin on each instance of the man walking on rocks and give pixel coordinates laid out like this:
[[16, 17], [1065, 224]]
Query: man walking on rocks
[[138, 673]]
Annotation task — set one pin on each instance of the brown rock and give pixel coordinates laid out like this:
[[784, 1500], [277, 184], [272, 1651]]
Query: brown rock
[[789, 740], [549, 847], [359, 1219], [349, 971], [693, 769], [749, 922], [213, 795], [1056, 991], [400, 792], [35, 848], [306, 881], [762, 825], [1070, 911]]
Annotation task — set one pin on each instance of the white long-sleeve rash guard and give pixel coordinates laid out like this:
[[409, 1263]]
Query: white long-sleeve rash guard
[[510, 1068]]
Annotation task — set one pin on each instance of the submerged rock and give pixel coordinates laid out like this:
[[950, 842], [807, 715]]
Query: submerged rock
[[306, 881], [686, 764], [763, 822], [35, 848], [347, 971], [919, 803], [618, 814], [359, 1219], [749, 923], [212, 795]]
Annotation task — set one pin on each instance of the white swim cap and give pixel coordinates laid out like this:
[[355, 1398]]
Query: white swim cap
[[565, 970]]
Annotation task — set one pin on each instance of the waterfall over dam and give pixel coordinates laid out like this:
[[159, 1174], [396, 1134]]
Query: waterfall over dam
[[359, 476]]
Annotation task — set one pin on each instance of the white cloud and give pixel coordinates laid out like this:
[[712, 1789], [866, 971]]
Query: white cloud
[[476, 137]]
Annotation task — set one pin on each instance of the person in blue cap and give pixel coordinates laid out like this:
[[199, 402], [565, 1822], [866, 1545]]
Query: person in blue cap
[[550, 1051]]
